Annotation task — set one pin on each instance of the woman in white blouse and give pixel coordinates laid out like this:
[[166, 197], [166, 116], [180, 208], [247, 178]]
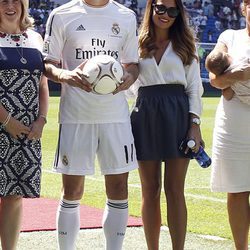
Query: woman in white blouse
[[167, 111]]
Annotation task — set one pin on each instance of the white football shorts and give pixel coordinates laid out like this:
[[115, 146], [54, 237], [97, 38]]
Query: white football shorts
[[78, 145]]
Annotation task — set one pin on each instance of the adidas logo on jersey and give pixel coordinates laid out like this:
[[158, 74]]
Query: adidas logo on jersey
[[81, 27]]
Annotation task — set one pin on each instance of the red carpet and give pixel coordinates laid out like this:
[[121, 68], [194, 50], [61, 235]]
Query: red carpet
[[40, 215]]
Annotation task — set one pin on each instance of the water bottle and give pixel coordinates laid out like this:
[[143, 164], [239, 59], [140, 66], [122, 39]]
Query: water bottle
[[201, 156]]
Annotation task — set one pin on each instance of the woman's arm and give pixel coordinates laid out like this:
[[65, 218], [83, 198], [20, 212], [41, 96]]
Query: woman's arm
[[194, 92], [230, 77], [37, 126], [241, 73], [43, 98], [14, 127]]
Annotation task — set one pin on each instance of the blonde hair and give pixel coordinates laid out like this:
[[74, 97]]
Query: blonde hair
[[26, 21], [217, 62], [180, 34]]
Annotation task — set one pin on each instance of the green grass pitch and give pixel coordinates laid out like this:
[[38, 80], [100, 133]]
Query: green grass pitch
[[206, 211]]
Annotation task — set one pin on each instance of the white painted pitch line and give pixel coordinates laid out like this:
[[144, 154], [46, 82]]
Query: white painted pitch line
[[208, 237], [200, 197]]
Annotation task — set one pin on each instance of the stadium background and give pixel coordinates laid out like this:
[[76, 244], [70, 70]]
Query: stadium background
[[208, 18]]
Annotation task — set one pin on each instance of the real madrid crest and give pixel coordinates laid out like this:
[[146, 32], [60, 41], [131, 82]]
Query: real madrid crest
[[65, 160], [115, 29]]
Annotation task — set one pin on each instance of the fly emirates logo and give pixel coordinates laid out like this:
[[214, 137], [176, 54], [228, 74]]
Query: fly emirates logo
[[98, 48]]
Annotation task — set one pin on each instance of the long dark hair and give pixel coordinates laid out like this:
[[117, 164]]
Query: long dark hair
[[180, 34]]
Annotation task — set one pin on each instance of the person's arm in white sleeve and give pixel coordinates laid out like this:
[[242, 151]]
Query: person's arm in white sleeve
[[194, 91], [194, 88]]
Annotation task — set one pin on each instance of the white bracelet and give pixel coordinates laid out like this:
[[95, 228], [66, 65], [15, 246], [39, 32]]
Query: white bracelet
[[6, 121]]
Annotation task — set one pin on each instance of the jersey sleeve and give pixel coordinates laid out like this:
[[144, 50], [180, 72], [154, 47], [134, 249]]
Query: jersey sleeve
[[130, 49], [54, 38]]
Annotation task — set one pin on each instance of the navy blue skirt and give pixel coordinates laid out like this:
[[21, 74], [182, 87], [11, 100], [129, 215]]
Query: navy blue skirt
[[160, 121]]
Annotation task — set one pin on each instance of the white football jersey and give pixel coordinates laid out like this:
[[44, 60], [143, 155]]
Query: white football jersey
[[76, 32]]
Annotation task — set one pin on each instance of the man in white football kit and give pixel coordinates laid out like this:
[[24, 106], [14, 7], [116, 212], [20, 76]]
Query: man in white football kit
[[92, 124]]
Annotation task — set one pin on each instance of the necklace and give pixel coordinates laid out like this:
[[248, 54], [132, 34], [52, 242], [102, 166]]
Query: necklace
[[23, 60]]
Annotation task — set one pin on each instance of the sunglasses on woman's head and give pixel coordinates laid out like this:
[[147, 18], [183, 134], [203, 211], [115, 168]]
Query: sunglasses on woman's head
[[161, 9]]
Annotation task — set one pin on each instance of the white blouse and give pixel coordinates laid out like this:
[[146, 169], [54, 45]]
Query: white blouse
[[171, 70]]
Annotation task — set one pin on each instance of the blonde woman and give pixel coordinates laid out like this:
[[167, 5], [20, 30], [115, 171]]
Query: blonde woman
[[23, 110], [167, 111], [231, 139]]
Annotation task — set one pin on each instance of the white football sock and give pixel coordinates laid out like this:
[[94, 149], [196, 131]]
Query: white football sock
[[68, 224], [114, 223]]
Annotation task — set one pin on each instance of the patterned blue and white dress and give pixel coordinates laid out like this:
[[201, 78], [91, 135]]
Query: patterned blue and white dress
[[21, 67]]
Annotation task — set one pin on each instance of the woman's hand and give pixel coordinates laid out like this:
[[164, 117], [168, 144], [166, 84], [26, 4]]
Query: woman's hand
[[16, 129], [194, 133], [36, 129]]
